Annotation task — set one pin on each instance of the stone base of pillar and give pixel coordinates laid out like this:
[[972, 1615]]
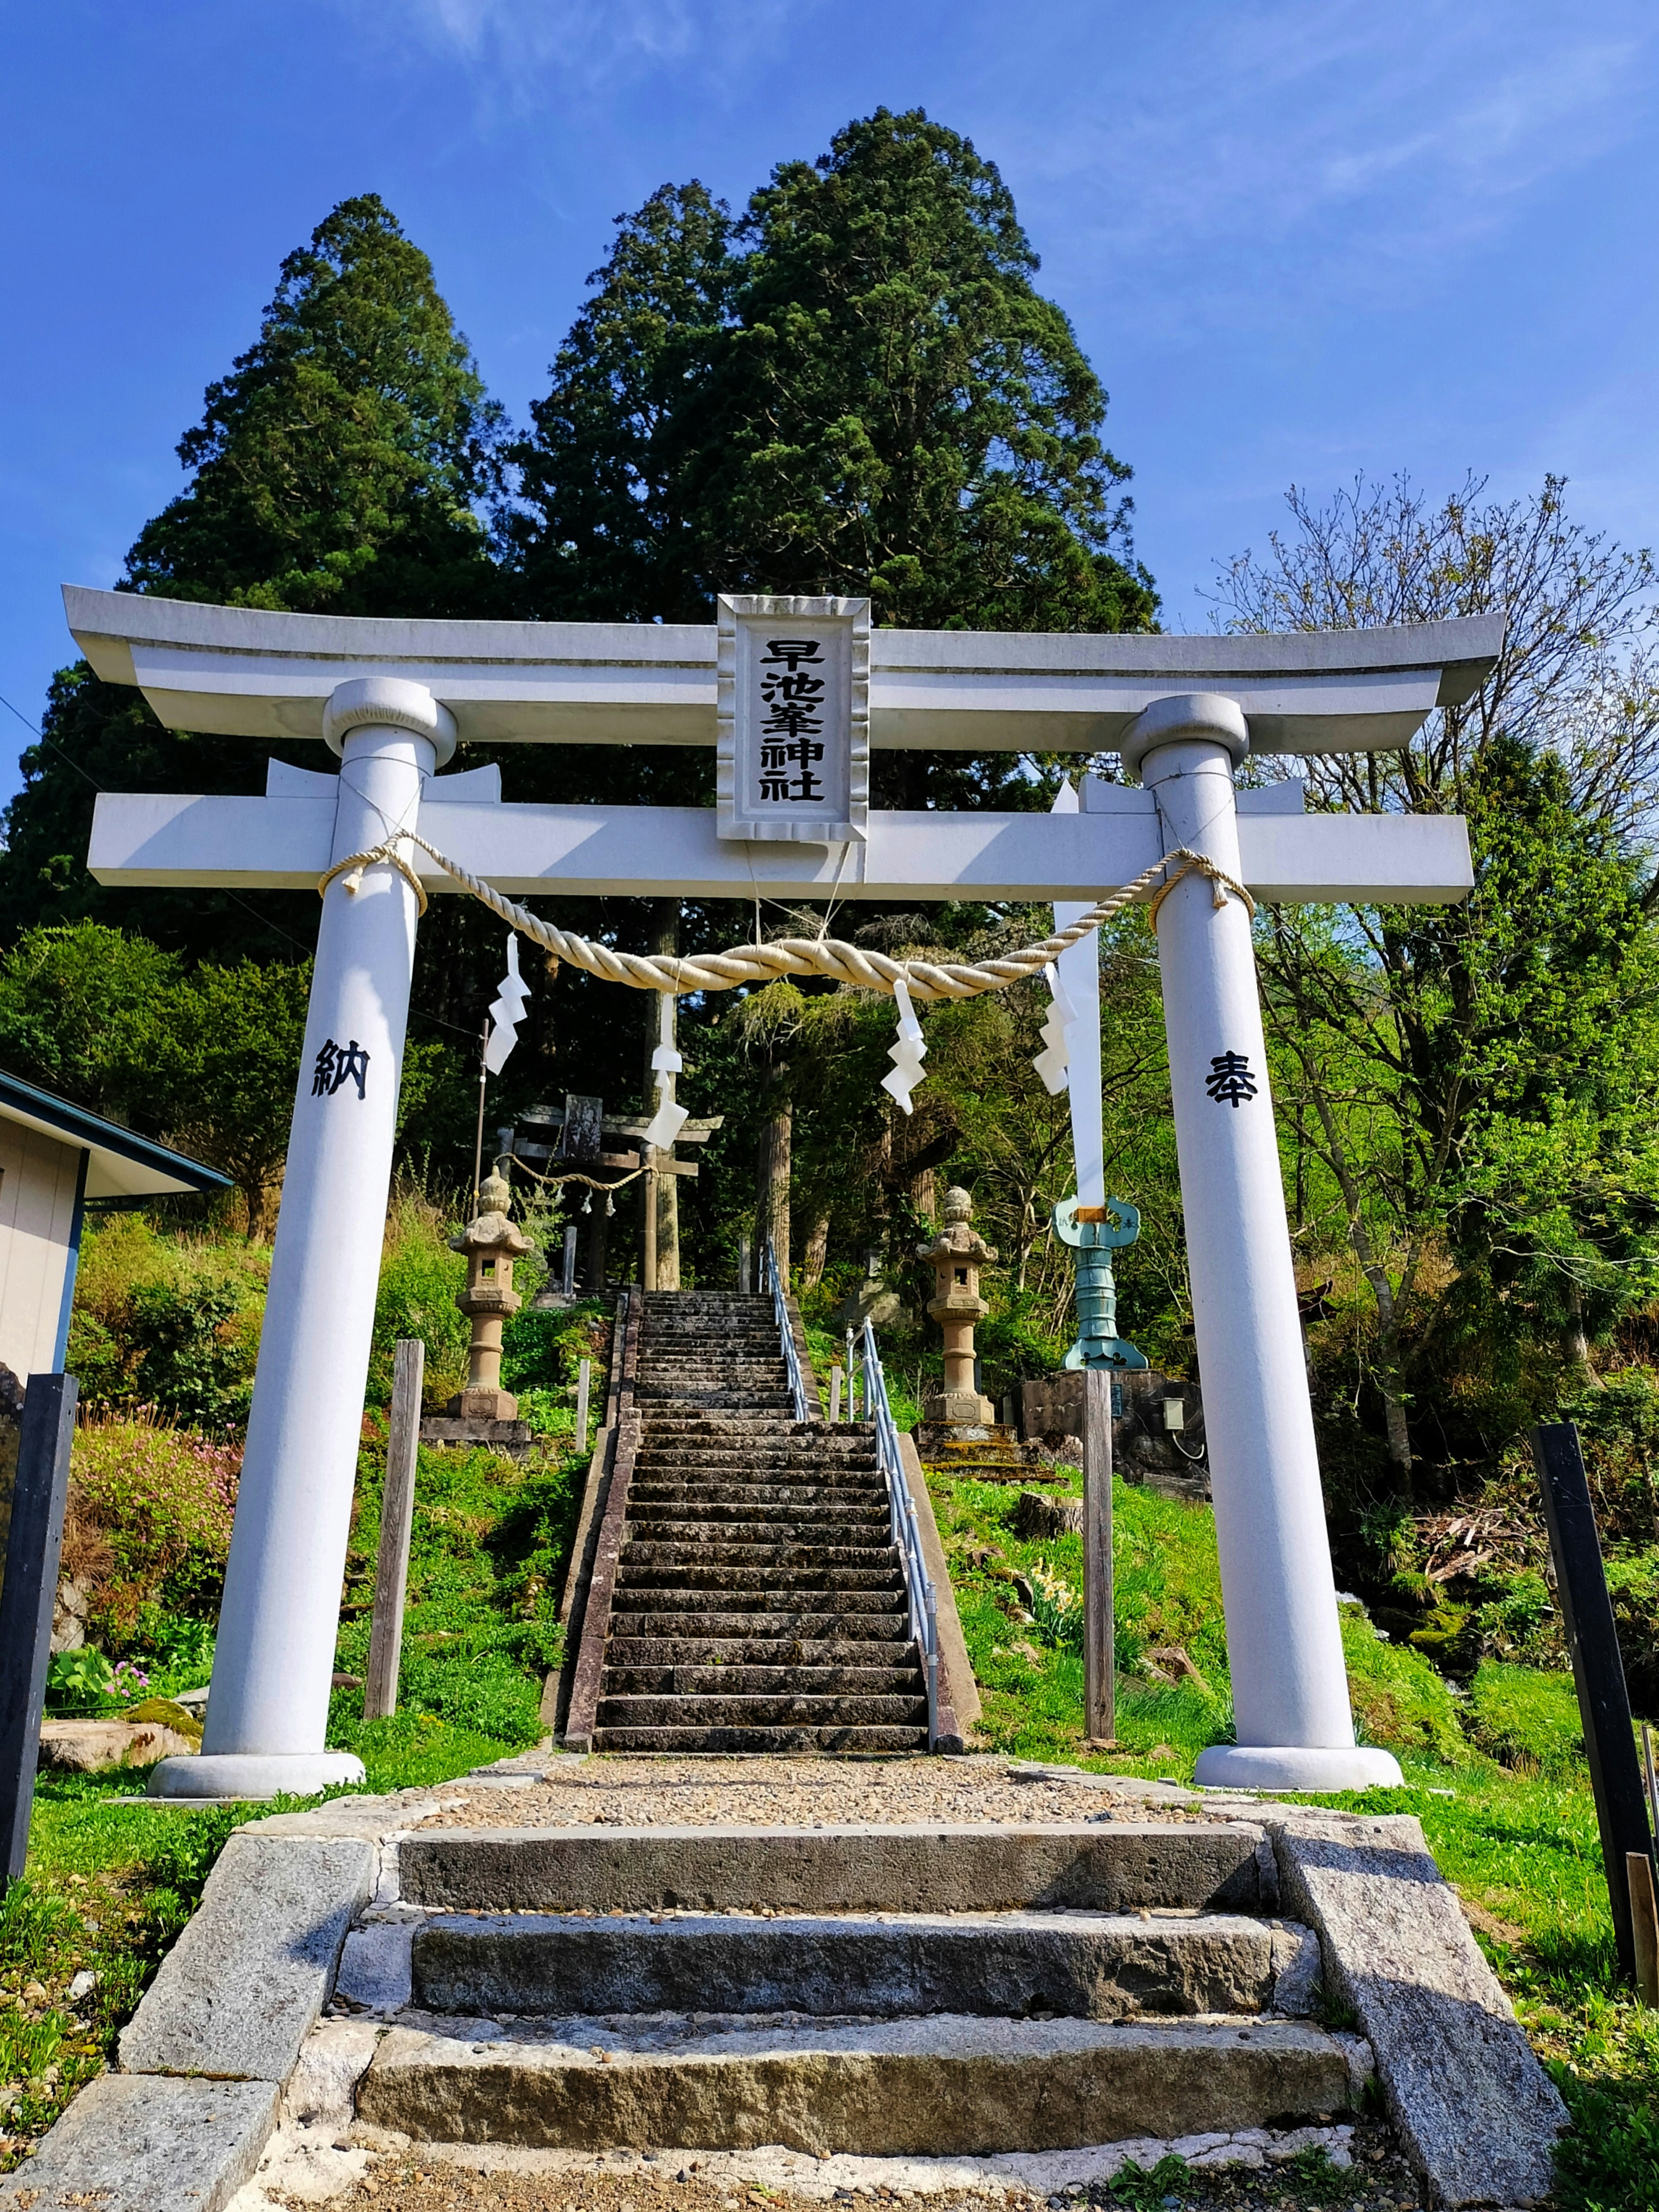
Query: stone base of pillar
[[516, 1438], [1296, 1766], [959, 1409], [481, 1403], [248, 1774]]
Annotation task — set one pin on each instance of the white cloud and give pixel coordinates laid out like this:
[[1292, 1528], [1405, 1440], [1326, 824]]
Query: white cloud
[[511, 48], [1363, 140]]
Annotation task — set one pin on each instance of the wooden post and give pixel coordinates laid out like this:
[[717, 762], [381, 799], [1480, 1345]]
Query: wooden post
[[567, 1280], [1644, 1926], [33, 1544], [582, 1373], [834, 1394], [386, 1636], [1598, 1671], [1099, 1668], [745, 1267]]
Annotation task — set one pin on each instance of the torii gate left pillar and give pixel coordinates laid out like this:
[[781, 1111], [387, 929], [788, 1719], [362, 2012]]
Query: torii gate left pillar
[[273, 1667]]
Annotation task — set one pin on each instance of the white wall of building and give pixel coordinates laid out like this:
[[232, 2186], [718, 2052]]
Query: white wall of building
[[39, 1180]]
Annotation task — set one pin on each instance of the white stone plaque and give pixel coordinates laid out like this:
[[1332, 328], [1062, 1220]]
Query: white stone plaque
[[794, 718]]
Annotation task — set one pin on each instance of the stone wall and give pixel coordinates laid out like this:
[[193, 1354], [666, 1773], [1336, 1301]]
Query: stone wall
[[1143, 1449]]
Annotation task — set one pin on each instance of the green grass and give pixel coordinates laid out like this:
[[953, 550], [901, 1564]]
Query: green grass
[[1526, 1719], [109, 1884], [1496, 1777]]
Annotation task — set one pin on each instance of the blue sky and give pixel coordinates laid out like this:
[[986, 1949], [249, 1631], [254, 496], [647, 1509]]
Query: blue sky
[[1297, 240]]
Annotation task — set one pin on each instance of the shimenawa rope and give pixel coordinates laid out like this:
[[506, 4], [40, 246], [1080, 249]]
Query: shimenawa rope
[[795, 956]]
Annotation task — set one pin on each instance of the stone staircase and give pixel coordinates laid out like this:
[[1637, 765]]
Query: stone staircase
[[758, 1603], [887, 1992]]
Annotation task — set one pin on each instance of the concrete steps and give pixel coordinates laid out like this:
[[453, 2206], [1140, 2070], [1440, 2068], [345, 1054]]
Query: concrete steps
[[756, 1557], [738, 1650], [1014, 1966], [940, 2086], [931, 1991], [1125, 1866]]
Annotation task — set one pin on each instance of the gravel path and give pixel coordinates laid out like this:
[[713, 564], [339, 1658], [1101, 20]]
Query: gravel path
[[1369, 2176], [708, 1792]]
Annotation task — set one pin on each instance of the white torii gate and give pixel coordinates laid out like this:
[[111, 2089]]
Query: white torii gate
[[392, 698]]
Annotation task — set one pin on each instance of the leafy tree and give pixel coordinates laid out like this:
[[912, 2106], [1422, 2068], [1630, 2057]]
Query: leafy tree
[[1469, 1076], [602, 532], [854, 389], [894, 409], [228, 1067], [78, 1016], [206, 1059], [339, 466]]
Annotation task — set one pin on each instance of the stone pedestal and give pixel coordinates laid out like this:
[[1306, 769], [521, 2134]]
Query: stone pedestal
[[956, 1255]]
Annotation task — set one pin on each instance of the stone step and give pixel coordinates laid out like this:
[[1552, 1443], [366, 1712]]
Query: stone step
[[656, 1462], [712, 1581], [762, 1373], [715, 1341], [1095, 1866], [719, 1428], [722, 1614], [743, 1543], [745, 1742], [689, 1647], [777, 1442], [722, 1502], [647, 1393], [756, 1500], [764, 1507], [765, 1445], [1014, 1966], [939, 2087], [793, 1709], [724, 1677], [745, 1335]]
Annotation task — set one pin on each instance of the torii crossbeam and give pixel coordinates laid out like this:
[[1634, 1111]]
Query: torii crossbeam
[[393, 698]]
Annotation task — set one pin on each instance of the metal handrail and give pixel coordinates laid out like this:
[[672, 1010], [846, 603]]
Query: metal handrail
[[907, 1533], [785, 1330]]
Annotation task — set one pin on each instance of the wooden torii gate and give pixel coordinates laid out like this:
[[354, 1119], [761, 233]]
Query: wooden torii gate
[[390, 699]]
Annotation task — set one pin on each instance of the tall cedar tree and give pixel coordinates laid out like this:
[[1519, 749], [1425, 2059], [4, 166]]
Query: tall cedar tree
[[337, 468], [856, 389], [602, 534]]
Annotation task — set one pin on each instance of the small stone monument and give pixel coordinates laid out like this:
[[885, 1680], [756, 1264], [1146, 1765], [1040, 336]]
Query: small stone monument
[[955, 1256], [484, 1414], [870, 1299]]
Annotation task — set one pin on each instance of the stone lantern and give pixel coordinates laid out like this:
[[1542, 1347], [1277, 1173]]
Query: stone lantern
[[492, 1244], [955, 1256]]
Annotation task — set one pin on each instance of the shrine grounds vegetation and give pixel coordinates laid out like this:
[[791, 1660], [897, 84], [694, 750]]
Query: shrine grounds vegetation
[[1491, 1751], [852, 383], [1494, 1770]]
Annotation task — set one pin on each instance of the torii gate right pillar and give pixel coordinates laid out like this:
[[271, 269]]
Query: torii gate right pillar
[[1294, 1726]]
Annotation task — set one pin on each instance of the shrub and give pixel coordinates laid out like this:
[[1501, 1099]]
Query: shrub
[[156, 1503], [1398, 1698], [77, 1680], [420, 1276], [168, 1322]]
